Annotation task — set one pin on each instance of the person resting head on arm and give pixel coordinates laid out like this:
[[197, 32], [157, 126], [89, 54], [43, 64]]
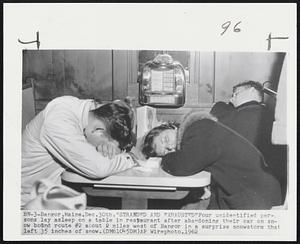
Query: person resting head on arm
[[71, 134], [110, 128], [239, 176], [245, 92], [160, 140]]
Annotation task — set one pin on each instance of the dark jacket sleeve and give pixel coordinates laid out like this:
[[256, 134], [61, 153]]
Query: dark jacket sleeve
[[221, 109], [198, 150]]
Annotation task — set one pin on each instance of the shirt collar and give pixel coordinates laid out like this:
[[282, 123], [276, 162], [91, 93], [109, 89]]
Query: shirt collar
[[249, 103]]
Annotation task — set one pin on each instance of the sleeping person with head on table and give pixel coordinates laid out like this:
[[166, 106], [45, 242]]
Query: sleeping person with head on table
[[240, 179]]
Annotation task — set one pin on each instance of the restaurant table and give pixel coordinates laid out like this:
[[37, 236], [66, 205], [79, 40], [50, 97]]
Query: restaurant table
[[135, 186]]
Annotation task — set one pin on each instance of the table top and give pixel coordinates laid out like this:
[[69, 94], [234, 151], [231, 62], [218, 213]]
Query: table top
[[136, 177]]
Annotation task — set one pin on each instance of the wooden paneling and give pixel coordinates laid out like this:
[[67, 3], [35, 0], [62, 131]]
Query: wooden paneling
[[100, 74], [192, 87], [120, 73], [58, 58], [207, 78], [88, 74], [81, 73], [113, 74], [28, 110], [132, 74], [232, 68], [200, 88], [37, 64], [125, 69]]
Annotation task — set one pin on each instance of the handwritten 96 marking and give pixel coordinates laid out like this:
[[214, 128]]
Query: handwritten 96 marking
[[227, 24]]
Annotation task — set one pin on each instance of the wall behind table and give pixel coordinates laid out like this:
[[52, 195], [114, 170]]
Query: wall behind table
[[100, 74], [232, 68], [80, 73], [28, 111], [113, 74], [213, 74]]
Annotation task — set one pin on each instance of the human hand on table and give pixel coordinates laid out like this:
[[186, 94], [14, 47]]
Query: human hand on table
[[206, 194], [149, 164], [109, 148]]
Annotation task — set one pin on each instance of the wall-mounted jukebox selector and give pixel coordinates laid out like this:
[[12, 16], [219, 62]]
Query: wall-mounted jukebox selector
[[162, 82]]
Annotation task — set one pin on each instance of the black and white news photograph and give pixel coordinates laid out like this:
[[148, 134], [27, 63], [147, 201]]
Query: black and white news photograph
[[149, 122]]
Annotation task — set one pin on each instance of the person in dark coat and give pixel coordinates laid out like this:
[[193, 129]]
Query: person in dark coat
[[248, 115], [239, 176]]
